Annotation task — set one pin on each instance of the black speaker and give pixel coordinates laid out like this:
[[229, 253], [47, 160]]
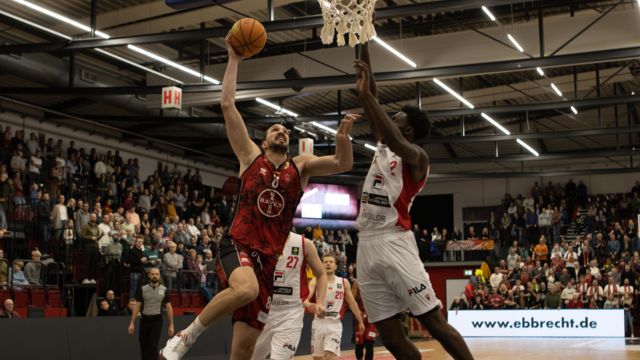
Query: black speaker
[[293, 74]]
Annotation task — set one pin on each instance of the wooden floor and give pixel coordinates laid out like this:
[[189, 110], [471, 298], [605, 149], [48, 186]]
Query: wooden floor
[[526, 349]]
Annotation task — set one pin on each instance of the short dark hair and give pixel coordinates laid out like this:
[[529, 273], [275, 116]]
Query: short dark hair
[[419, 121]]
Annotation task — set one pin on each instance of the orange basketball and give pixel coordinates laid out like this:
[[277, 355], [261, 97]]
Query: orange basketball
[[248, 37]]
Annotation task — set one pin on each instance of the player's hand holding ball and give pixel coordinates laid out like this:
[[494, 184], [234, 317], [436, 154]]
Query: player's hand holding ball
[[246, 38]]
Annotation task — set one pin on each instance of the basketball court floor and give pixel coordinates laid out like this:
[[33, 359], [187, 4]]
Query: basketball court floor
[[526, 349]]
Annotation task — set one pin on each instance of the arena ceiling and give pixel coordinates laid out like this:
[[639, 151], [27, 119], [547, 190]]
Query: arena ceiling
[[590, 50]]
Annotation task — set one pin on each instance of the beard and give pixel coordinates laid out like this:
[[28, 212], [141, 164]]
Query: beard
[[278, 148]]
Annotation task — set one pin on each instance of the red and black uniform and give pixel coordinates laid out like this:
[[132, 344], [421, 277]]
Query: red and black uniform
[[267, 202], [369, 334]]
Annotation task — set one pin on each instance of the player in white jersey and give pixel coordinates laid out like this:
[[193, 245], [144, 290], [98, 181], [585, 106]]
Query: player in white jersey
[[281, 334], [326, 333], [391, 276]]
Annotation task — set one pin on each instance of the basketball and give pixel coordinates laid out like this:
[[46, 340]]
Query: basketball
[[248, 37]]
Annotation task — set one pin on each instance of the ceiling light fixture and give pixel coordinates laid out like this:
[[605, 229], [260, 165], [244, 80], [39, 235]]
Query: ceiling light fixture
[[555, 88], [526, 146], [306, 131], [515, 43], [539, 70], [452, 92], [39, 27], [495, 123], [138, 65], [60, 17], [323, 127], [370, 147], [574, 110], [395, 52], [171, 63], [488, 12], [276, 107]]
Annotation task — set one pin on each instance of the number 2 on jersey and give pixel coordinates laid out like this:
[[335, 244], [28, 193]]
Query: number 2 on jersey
[[292, 262]]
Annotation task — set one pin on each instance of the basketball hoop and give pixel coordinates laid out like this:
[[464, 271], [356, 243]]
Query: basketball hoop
[[347, 16]]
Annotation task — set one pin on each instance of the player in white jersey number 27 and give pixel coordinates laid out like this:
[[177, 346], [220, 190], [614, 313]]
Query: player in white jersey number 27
[[326, 333], [281, 334], [390, 274]]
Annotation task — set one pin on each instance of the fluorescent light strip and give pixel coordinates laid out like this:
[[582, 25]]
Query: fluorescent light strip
[[138, 65], [539, 70], [526, 146], [324, 127], [395, 52], [555, 88], [488, 12], [275, 107], [574, 110], [39, 27], [515, 43], [452, 92], [305, 131], [495, 123], [171, 63], [370, 147], [60, 17]]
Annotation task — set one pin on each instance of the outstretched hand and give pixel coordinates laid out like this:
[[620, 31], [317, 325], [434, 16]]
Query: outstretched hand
[[347, 123], [232, 53], [362, 78]]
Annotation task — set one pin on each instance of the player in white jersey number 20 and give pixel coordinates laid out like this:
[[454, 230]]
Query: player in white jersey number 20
[[390, 274], [326, 333], [281, 334]]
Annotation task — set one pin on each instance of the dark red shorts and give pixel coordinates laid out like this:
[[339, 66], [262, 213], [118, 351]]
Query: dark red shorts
[[231, 256], [369, 334]]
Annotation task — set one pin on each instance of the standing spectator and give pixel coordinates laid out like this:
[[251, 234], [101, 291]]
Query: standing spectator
[[5, 195], [552, 299], [144, 202], [173, 262], [35, 163], [136, 261], [90, 235], [8, 310], [541, 251], [4, 269], [59, 217], [33, 269], [150, 299], [43, 209], [105, 230], [82, 217]]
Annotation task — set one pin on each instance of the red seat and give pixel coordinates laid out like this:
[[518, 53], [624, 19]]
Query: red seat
[[185, 299], [174, 298], [4, 295], [20, 298], [197, 300], [54, 299], [37, 297]]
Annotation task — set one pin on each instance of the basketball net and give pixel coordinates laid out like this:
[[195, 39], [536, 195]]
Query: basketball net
[[347, 16]]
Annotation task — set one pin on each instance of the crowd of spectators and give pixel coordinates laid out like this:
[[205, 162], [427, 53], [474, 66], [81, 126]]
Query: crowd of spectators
[[598, 268], [96, 214]]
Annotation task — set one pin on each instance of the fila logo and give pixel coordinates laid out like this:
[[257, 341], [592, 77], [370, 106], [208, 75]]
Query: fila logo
[[290, 347], [378, 181], [417, 290]]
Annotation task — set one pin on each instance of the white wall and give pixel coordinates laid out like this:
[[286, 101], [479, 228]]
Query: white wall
[[489, 192], [148, 158]]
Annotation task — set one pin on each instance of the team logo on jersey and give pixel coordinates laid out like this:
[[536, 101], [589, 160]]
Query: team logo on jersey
[[278, 276], [263, 171], [330, 304], [339, 286], [270, 203], [378, 181], [290, 347], [295, 250], [417, 290], [161, 292]]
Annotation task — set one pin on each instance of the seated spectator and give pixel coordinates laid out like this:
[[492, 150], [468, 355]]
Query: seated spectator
[[8, 310], [105, 309], [611, 302], [458, 304], [17, 275], [552, 299], [33, 269], [575, 302], [495, 300], [4, 269]]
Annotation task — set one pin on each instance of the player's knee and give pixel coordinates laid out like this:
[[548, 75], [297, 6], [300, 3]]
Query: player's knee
[[246, 292], [397, 344]]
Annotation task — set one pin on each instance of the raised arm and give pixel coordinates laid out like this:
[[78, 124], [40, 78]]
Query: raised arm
[[244, 148], [364, 56], [340, 162], [313, 260], [410, 153]]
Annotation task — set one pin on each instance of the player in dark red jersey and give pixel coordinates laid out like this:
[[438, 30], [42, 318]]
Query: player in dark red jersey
[[271, 188], [364, 340]]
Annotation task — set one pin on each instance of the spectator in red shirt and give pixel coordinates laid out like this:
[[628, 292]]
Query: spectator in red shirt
[[495, 301]]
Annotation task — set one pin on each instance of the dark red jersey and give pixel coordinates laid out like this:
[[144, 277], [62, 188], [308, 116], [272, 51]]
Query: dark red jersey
[[267, 201]]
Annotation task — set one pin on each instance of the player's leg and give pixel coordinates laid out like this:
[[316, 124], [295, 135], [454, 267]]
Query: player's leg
[[328, 355], [287, 336], [244, 340], [368, 346], [263, 343], [395, 340], [317, 340], [332, 339], [447, 335]]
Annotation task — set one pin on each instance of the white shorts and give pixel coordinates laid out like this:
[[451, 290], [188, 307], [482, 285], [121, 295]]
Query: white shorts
[[281, 334], [391, 276], [326, 335]]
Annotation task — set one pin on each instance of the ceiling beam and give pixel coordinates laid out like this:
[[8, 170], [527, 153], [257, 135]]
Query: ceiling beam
[[306, 22], [327, 81]]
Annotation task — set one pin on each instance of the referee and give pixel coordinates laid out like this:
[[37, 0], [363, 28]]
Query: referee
[[150, 299]]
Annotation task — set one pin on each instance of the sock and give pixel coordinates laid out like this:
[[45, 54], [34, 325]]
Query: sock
[[195, 329]]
